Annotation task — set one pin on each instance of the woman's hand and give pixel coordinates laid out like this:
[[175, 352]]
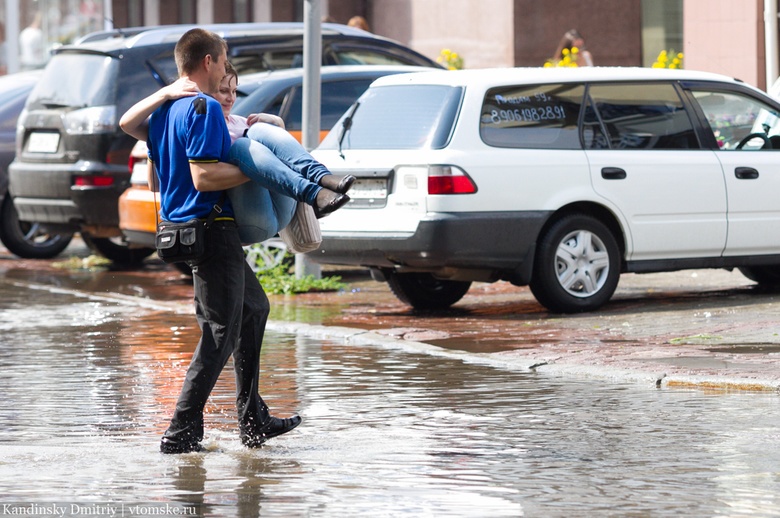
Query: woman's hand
[[182, 87], [265, 117]]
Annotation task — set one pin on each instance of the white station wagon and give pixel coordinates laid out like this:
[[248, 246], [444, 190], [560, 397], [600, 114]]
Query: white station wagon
[[559, 179]]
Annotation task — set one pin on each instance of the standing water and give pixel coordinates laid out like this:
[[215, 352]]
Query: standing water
[[88, 386]]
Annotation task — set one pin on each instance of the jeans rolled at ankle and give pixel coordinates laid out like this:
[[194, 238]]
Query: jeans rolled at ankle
[[288, 150]]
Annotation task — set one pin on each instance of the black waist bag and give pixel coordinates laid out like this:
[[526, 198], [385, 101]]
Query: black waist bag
[[181, 242]]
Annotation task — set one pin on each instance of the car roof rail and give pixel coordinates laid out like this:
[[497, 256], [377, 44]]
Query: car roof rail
[[140, 36]]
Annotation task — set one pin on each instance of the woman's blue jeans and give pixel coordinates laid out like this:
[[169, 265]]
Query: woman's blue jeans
[[282, 172]]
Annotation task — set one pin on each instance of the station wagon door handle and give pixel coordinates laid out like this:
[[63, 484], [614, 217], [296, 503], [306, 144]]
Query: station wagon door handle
[[613, 173], [745, 173]]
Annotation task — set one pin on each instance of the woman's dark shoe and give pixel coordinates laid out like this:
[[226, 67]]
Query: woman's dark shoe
[[337, 183], [328, 201], [273, 428]]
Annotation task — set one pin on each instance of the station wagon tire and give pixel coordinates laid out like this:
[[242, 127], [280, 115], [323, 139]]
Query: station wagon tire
[[25, 239], [764, 275], [577, 265], [424, 291], [118, 252]]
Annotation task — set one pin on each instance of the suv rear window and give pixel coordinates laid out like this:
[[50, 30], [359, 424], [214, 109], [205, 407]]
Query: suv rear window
[[400, 117], [94, 85], [532, 116]]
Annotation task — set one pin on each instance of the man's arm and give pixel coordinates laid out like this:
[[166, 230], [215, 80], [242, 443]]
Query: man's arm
[[215, 176], [134, 122]]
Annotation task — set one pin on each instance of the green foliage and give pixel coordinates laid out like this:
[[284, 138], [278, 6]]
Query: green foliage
[[93, 262], [278, 280]]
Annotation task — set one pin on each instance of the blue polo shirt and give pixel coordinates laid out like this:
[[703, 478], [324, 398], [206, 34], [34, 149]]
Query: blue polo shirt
[[183, 131]]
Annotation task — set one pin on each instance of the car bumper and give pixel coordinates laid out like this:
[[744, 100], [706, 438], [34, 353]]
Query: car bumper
[[44, 193], [497, 241]]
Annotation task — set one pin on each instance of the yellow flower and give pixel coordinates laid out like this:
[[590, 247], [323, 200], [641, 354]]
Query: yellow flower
[[663, 61], [451, 60]]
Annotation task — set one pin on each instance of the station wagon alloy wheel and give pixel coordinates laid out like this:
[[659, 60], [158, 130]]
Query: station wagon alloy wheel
[[582, 263], [577, 265]]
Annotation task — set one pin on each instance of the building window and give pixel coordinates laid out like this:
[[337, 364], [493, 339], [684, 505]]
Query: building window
[[662, 28], [242, 11], [135, 13], [187, 11]]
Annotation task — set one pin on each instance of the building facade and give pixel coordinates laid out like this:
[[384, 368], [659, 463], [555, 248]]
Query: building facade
[[732, 37]]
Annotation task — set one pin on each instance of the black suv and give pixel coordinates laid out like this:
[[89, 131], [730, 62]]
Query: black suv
[[71, 156]]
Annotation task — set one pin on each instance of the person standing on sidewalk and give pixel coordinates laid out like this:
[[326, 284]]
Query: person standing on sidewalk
[[189, 145]]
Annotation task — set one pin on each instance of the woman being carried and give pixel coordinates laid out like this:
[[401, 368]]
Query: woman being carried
[[265, 153]]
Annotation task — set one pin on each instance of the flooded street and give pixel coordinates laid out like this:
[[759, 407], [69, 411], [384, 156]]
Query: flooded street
[[89, 383]]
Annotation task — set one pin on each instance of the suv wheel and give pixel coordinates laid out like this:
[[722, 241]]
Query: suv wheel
[[765, 275], [577, 265], [117, 251], [424, 291], [25, 239]]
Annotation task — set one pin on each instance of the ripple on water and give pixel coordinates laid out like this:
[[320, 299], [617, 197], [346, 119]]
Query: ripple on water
[[386, 432]]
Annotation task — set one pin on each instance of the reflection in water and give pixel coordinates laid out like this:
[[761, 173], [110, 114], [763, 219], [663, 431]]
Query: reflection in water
[[88, 387]]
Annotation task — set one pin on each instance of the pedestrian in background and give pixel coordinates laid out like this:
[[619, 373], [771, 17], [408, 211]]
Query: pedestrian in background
[[31, 44], [359, 23], [573, 40], [189, 145]]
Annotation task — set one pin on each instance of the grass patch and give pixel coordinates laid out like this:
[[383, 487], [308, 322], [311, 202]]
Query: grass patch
[[93, 262], [278, 280]]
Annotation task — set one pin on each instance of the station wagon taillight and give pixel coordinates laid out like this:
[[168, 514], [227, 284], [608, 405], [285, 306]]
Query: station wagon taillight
[[449, 179]]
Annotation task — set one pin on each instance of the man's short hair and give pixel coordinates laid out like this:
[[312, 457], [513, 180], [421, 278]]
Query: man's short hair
[[195, 45]]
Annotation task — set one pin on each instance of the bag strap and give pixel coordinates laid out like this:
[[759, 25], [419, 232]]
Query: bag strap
[[216, 210]]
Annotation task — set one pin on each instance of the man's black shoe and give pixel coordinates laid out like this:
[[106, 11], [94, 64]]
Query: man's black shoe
[[170, 446], [273, 428]]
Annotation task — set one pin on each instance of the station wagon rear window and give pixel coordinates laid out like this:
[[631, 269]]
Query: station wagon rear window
[[536, 116], [399, 117]]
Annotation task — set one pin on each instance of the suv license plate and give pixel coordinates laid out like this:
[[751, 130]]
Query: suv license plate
[[365, 188], [43, 142]]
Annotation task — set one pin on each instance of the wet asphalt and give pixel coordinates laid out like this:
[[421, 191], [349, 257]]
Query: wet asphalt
[[664, 403], [712, 329]]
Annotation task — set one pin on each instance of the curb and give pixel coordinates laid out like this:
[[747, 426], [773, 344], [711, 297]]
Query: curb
[[513, 360]]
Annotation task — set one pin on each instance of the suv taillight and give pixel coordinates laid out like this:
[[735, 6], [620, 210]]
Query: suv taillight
[[93, 181], [449, 179]]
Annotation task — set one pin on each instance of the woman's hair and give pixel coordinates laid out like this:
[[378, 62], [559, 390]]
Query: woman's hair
[[567, 42], [195, 45], [230, 70]]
